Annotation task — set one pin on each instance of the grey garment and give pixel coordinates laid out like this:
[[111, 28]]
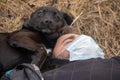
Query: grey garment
[[91, 69], [23, 72]]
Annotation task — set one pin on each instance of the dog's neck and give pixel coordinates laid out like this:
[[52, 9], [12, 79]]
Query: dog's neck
[[48, 40]]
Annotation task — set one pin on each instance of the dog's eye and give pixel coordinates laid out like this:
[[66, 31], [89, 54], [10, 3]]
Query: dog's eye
[[54, 13], [57, 17], [40, 13]]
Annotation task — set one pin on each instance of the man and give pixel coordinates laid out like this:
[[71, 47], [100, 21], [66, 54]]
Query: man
[[82, 67]]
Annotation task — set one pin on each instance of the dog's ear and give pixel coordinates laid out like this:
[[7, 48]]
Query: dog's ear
[[67, 18], [27, 21]]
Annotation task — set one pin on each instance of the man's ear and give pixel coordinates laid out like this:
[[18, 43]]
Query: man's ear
[[67, 18]]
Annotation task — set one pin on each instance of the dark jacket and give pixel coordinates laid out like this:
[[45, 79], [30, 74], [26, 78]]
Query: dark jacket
[[91, 69]]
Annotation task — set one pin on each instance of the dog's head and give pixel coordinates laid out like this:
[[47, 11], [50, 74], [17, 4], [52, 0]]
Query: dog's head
[[48, 20]]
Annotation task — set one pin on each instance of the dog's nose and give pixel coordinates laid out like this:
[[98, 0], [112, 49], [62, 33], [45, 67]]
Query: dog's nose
[[47, 21]]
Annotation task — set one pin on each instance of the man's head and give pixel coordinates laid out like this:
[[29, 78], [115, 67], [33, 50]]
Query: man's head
[[77, 47]]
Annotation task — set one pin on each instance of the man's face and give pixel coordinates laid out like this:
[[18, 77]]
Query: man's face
[[60, 51]]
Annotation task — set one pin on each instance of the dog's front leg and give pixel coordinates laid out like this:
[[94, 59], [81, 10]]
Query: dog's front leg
[[25, 42]]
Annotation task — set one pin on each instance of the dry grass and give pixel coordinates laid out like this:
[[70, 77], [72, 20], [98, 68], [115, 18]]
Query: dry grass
[[97, 18]]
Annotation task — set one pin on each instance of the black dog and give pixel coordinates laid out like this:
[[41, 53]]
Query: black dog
[[43, 28], [50, 23]]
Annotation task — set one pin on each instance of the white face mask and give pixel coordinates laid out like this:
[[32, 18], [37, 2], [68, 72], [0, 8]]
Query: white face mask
[[84, 47]]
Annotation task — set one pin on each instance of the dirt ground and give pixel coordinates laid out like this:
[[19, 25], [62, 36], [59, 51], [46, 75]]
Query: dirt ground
[[97, 18]]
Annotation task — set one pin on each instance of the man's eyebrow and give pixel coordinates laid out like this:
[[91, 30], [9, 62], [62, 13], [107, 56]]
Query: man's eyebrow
[[71, 37]]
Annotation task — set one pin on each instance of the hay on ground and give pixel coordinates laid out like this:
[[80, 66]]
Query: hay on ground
[[97, 18]]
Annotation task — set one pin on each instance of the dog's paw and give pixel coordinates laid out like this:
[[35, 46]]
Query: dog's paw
[[14, 44]]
